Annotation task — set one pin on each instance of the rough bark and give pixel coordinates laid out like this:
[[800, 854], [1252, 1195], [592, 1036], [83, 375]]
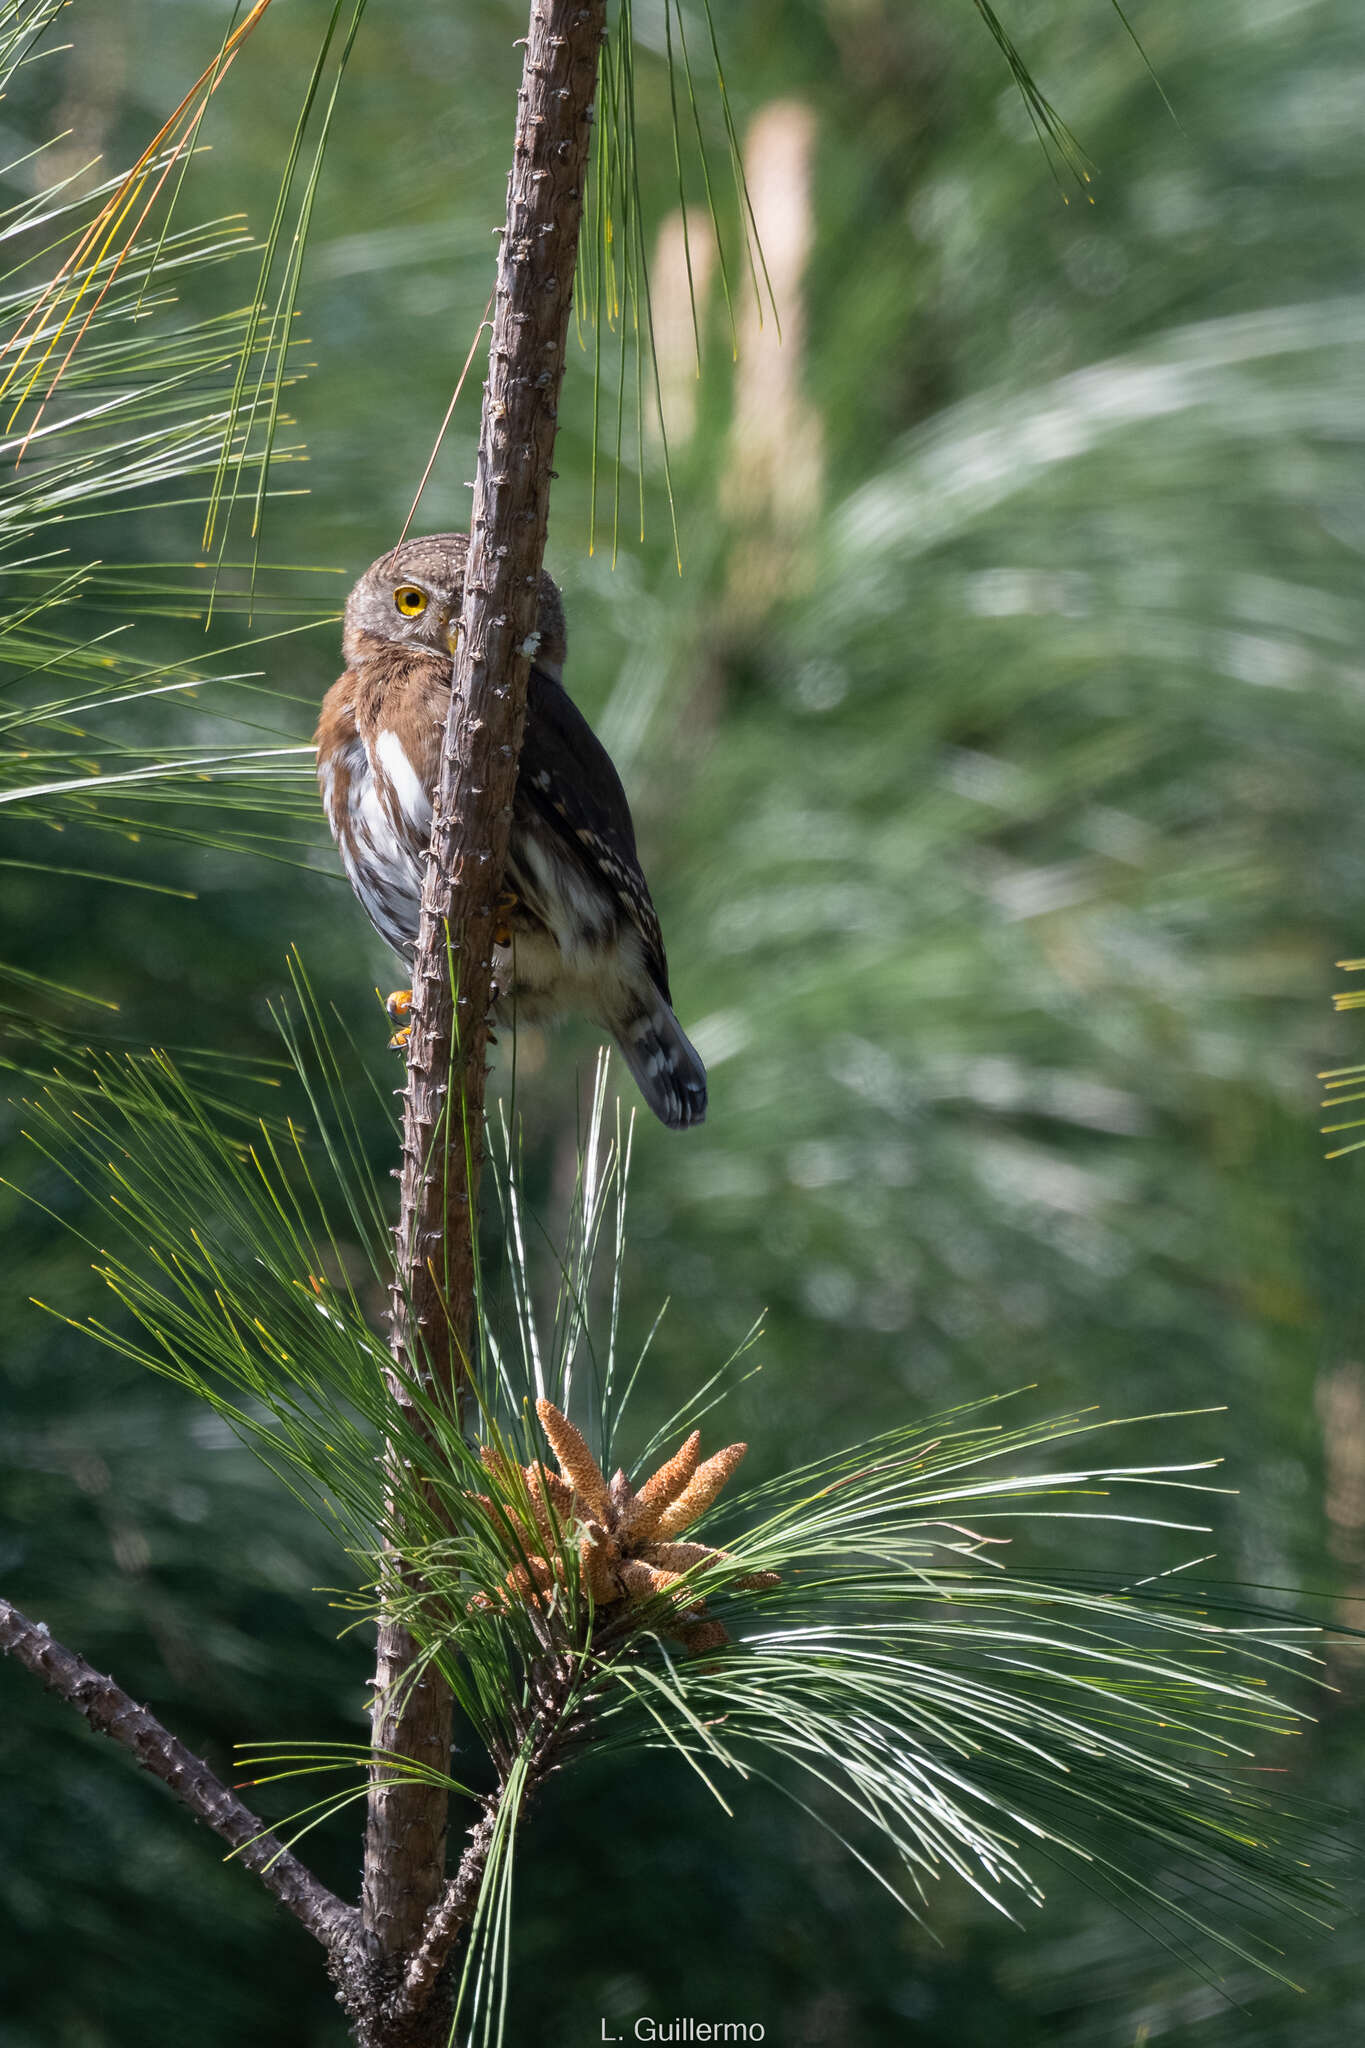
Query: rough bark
[[111, 1712], [432, 1308]]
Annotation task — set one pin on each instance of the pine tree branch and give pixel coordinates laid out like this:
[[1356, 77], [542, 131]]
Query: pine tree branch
[[111, 1712], [432, 1316], [554, 1680], [451, 1914]]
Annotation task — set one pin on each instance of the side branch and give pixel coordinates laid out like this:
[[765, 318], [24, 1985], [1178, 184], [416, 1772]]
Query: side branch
[[450, 1915], [453, 1911], [111, 1712]]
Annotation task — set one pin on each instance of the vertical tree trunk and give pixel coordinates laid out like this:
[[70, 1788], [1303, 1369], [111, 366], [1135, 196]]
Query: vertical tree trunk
[[432, 1322]]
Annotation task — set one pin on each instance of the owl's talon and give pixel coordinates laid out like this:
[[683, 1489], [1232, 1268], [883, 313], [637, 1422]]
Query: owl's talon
[[399, 1004], [399, 1041]]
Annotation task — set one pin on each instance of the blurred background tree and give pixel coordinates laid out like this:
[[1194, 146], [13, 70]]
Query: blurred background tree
[[994, 758]]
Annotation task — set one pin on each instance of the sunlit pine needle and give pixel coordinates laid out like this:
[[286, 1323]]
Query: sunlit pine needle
[[115, 212]]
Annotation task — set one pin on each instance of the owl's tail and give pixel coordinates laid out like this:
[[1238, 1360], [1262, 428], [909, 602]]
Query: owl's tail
[[667, 1067]]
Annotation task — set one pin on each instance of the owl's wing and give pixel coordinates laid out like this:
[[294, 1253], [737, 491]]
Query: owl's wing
[[568, 784]]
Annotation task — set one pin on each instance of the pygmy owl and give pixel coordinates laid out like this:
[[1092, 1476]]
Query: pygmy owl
[[577, 929]]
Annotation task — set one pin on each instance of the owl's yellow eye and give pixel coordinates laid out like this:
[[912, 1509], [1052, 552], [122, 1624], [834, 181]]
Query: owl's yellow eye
[[410, 600]]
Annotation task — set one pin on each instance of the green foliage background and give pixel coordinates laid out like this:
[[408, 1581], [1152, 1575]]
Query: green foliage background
[[999, 797]]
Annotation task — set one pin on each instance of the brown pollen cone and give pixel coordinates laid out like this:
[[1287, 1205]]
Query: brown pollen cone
[[575, 1460], [628, 1554], [641, 1518], [700, 1490]]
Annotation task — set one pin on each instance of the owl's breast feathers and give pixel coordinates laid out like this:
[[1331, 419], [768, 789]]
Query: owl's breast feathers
[[378, 747], [572, 861]]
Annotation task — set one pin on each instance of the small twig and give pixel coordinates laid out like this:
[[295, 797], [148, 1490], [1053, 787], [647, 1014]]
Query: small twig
[[450, 1915], [111, 1712], [445, 1923]]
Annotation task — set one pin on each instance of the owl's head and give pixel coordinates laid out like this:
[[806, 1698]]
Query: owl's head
[[413, 594]]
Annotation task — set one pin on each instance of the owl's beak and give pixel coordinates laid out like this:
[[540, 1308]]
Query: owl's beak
[[453, 634]]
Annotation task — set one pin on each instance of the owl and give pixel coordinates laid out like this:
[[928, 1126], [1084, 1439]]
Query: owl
[[577, 930]]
